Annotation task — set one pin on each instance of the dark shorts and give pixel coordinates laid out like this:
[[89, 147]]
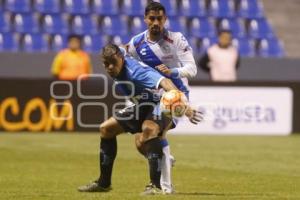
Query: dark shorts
[[131, 118]]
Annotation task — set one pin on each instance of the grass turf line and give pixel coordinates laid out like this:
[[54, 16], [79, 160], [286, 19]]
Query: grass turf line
[[52, 166]]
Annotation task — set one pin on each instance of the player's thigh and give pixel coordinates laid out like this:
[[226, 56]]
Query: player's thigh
[[163, 121], [110, 128], [152, 127]]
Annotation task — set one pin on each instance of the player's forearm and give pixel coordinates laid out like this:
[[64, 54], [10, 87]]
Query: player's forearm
[[167, 84], [189, 69]]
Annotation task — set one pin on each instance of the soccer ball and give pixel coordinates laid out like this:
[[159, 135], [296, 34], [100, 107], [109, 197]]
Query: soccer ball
[[174, 103]]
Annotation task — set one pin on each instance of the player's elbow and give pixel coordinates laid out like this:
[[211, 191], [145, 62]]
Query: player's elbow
[[192, 72]]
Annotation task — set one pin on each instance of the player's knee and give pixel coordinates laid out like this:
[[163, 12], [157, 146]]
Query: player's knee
[[150, 130], [138, 140], [139, 144], [104, 131]]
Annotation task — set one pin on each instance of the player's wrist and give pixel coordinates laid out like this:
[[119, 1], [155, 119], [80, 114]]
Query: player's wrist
[[188, 111], [174, 73]]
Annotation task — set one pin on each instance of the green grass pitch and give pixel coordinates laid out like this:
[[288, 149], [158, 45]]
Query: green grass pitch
[[52, 166]]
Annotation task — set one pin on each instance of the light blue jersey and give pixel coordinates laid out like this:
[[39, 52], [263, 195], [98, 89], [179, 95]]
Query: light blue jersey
[[138, 81]]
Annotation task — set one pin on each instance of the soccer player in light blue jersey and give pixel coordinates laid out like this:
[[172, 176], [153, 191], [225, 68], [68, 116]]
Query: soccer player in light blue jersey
[[142, 117]]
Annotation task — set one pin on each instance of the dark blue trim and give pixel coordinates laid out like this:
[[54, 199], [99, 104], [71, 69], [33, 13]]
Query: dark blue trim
[[164, 143]]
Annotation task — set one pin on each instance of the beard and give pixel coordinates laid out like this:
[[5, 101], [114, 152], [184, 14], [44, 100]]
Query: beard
[[155, 30]]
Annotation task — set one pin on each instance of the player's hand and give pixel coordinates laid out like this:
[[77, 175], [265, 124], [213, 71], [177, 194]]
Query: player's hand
[[194, 116], [164, 69]]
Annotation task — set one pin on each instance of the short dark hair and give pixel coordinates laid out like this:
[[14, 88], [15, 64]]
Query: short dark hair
[[224, 31], [156, 6], [71, 36], [109, 50]]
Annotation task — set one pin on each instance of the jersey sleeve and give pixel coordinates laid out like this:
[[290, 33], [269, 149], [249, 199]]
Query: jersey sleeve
[[130, 48], [147, 76], [185, 55]]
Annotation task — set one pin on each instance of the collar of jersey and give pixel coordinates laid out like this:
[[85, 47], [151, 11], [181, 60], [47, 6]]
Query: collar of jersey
[[151, 42]]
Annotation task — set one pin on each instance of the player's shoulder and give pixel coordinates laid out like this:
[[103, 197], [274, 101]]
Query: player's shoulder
[[129, 60], [136, 69], [138, 37], [174, 34], [132, 63], [174, 37]]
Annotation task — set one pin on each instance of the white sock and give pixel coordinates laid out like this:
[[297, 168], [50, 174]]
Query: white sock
[[165, 178]]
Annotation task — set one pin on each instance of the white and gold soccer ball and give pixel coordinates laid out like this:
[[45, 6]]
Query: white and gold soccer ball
[[174, 103]]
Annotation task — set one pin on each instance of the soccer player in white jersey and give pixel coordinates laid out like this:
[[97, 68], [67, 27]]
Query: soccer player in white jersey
[[169, 53]]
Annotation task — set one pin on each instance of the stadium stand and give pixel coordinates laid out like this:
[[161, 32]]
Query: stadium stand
[[92, 43], [58, 42], [54, 24], [104, 7], [259, 29], [18, 6], [137, 25], [35, 42], [85, 24], [47, 6], [283, 17], [26, 23], [76, 6], [5, 25], [222, 9], [118, 20], [235, 25], [270, 48], [171, 7], [202, 27], [133, 8], [245, 46], [9, 42], [250, 9], [114, 25], [190, 8], [177, 24]]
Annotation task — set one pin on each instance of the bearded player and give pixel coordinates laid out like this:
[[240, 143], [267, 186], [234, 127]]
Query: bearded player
[[170, 54]]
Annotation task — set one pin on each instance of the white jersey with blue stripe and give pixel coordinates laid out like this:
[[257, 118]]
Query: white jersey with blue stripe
[[171, 50]]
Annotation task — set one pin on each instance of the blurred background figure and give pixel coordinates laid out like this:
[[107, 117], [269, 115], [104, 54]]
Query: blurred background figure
[[71, 62], [221, 60]]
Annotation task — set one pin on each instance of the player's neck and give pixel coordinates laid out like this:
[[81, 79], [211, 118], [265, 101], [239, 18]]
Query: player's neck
[[154, 38], [74, 50]]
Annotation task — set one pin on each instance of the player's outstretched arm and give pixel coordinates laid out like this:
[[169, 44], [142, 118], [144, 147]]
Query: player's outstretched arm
[[167, 84]]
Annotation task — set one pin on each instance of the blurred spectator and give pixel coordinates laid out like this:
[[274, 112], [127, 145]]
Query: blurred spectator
[[72, 62], [221, 60]]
